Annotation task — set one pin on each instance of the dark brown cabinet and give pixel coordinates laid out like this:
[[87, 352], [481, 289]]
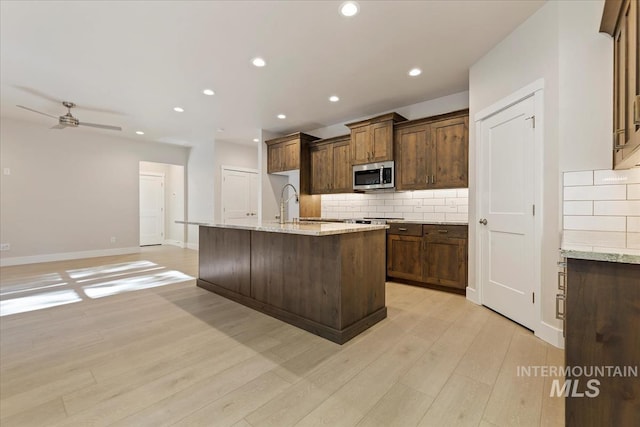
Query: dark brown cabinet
[[433, 152], [372, 139], [620, 20], [428, 254], [602, 315], [288, 152], [330, 165]]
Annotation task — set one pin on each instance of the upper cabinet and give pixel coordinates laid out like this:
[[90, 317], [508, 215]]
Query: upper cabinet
[[433, 152], [287, 153], [372, 139], [620, 19], [330, 165]]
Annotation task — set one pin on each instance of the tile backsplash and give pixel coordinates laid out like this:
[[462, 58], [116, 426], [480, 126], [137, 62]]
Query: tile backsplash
[[426, 205], [601, 210]]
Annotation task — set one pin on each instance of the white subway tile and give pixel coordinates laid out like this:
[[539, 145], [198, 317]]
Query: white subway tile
[[633, 192], [444, 193], [375, 202], [393, 215], [633, 240], [413, 216], [433, 217], [463, 209], [612, 239], [578, 178], [403, 208], [412, 202], [457, 217], [450, 209], [608, 177], [598, 192], [394, 202], [462, 192], [432, 202], [457, 201], [383, 196], [384, 209], [595, 223], [623, 207], [423, 194], [578, 207], [338, 196], [423, 208], [633, 224], [403, 195]]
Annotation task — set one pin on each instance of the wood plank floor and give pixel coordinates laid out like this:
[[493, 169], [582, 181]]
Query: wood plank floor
[[133, 342]]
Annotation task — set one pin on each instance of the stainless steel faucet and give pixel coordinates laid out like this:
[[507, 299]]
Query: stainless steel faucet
[[283, 202]]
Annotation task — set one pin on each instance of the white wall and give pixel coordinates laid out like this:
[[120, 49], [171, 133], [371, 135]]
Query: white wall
[[200, 197], [560, 44], [71, 190], [272, 184], [230, 154]]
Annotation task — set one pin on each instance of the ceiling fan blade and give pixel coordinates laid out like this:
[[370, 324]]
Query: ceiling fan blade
[[58, 127], [94, 125], [35, 111], [37, 93]]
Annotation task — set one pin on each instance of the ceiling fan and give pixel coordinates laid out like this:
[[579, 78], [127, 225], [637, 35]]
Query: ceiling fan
[[68, 120]]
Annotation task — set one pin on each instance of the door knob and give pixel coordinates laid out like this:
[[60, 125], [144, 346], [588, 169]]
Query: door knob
[[248, 214], [483, 221]]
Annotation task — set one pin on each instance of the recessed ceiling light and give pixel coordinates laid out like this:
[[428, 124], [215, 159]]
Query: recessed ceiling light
[[349, 8], [208, 92], [334, 98], [139, 132], [258, 62], [415, 72], [256, 140], [282, 116], [178, 109]]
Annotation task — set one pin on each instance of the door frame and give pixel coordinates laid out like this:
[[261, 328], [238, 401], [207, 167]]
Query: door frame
[[164, 203], [535, 90], [224, 168]]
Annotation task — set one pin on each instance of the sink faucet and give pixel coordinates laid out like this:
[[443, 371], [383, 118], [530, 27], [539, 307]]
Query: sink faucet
[[283, 202]]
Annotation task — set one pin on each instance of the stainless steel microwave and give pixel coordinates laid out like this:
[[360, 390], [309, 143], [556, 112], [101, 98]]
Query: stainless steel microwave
[[373, 176]]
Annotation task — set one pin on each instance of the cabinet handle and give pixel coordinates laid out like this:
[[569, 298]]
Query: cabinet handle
[[636, 110], [617, 132], [560, 314], [402, 229], [433, 179], [443, 231], [562, 281]]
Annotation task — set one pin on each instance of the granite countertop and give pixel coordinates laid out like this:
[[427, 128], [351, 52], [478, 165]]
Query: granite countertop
[[595, 254], [309, 228], [419, 221]]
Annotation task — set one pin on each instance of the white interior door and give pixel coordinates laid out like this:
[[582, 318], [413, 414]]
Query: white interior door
[[239, 196], [151, 210], [506, 230]]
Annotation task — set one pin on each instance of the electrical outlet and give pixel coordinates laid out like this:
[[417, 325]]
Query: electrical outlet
[[5, 246], [113, 239], [7, 171]]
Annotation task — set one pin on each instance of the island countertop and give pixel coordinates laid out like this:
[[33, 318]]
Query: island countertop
[[311, 228]]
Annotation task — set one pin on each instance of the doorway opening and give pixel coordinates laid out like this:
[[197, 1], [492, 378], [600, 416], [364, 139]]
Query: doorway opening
[[162, 203]]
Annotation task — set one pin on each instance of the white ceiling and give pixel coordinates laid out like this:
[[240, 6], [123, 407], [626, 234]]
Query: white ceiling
[[129, 63]]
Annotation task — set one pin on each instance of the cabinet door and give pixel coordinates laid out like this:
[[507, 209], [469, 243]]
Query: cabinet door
[[445, 261], [275, 158], [342, 169], [360, 145], [449, 163], [411, 145], [321, 169], [381, 141], [291, 151], [404, 257]]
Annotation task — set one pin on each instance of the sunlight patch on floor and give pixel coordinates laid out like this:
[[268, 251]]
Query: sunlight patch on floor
[[38, 301]]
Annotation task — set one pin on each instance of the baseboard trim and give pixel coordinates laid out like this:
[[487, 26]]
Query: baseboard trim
[[550, 334], [64, 256], [473, 295]]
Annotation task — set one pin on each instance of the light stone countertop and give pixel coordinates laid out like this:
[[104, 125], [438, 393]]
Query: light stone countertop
[[419, 221], [304, 228], [596, 254]]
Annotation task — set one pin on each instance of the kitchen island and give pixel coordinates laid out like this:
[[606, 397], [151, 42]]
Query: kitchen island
[[326, 278]]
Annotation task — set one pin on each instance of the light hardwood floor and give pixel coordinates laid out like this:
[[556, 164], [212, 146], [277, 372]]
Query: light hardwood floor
[[178, 355]]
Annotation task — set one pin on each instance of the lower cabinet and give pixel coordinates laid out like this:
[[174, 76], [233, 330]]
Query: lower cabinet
[[602, 315], [429, 254]]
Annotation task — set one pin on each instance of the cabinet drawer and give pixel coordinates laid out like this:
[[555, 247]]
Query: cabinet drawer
[[404, 229], [445, 230]]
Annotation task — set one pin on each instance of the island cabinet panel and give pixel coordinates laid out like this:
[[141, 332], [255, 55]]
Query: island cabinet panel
[[231, 250], [331, 285], [602, 314]]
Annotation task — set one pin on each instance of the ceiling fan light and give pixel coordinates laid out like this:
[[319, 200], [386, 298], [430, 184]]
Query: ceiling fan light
[[349, 8]]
